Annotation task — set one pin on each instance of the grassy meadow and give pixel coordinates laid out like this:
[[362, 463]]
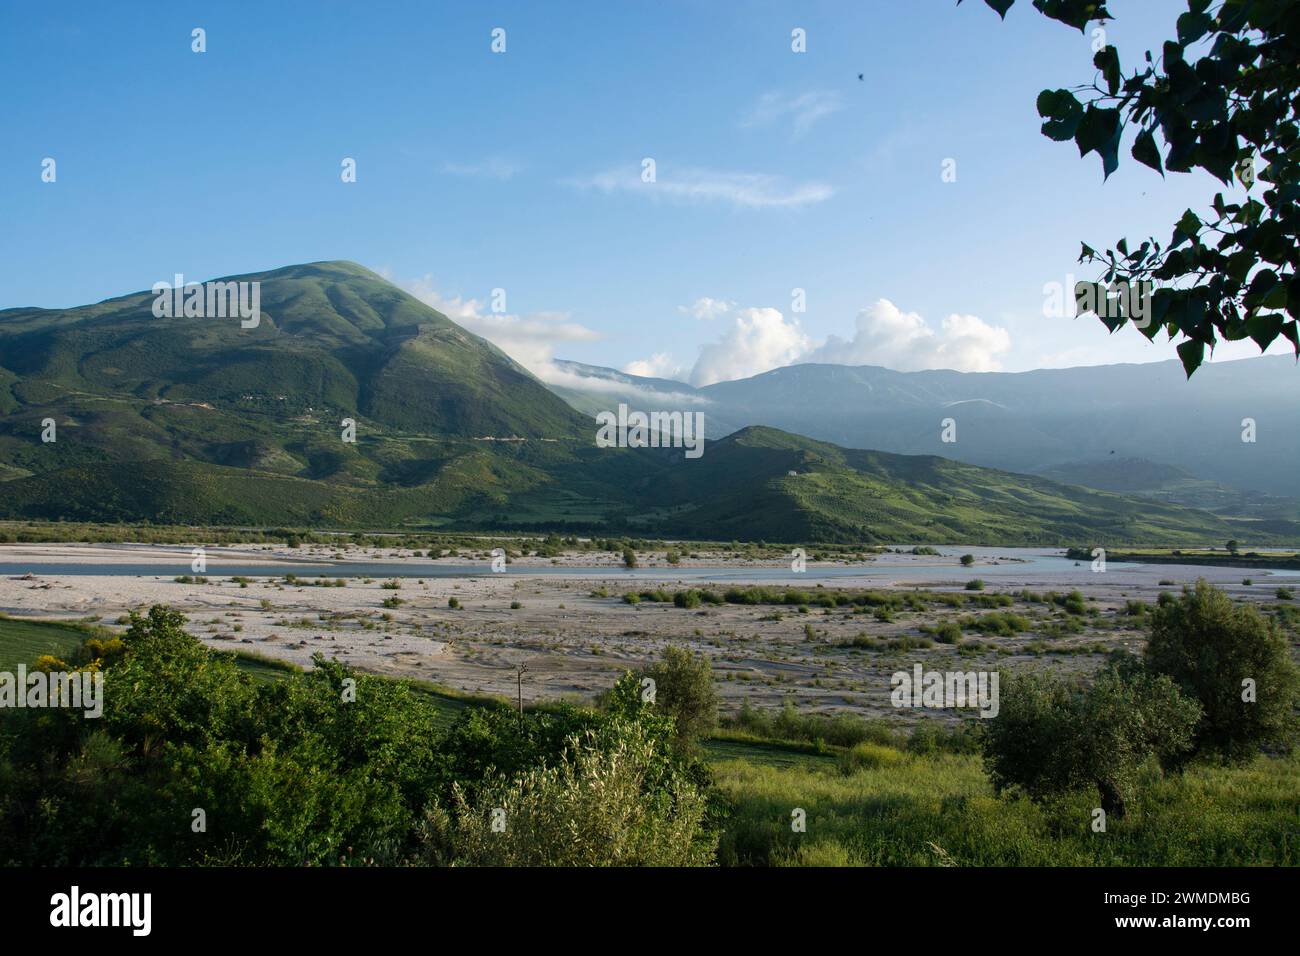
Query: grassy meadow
[[891, 808]]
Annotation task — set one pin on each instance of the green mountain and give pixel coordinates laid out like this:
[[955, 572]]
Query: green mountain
[[334, 341], [199, 421]]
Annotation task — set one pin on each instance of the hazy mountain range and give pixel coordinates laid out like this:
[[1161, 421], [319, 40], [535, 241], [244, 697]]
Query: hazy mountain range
[[197, 420], [1050, 421]]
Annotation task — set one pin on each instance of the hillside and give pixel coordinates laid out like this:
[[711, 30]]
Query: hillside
[[335, 340], [197, 421], [808, 490], [1165, 483]]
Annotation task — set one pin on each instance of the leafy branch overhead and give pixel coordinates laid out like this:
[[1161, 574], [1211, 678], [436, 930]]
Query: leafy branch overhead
[[1222, 96]]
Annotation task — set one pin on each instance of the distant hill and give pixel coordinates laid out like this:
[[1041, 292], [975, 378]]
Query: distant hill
[[197, 421], [1148, 479], [811, 490], [1027, 421], [1118, 474]]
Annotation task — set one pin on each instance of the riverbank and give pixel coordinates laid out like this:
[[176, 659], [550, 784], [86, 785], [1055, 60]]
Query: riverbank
[[455, 622]]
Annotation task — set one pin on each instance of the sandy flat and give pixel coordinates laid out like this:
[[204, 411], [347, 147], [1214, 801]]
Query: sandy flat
[[576, 644]]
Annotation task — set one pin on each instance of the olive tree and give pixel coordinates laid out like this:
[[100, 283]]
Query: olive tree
[[1235, 662], [1055, 736]]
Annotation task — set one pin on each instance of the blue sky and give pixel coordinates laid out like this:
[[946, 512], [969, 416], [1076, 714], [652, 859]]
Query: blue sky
[[520, 171]]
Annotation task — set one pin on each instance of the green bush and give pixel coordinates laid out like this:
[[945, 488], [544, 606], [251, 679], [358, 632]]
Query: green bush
[[331, 766], [1054, 736], [949, 632], [687, 599], [684, 691], [606, 802], [1211, 648], [289, 773], [867, 755], [932, 737], [1001, 623], [1074, 603]]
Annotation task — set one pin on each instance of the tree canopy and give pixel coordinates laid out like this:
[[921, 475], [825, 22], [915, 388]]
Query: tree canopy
[[1222, 95]]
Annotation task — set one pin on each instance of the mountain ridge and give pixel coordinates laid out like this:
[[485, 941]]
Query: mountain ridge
[[1028, 421], [193, 421]]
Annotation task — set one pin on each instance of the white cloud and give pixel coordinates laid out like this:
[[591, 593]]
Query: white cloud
[[759, 340], [494, 167], [659, 365], [620, 384], [528, 339], [694, 185], [423, 289], [706, 308], [904, 341], [802, 111]]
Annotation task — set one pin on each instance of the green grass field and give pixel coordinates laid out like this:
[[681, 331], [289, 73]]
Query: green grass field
[[941, 811], [765, 753], [21, 642]]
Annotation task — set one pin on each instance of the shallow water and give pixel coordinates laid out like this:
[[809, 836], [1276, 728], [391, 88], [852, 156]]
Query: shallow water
[[1048, 566]]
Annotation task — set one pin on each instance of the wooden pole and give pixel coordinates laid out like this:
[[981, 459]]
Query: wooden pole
[[519, 678]]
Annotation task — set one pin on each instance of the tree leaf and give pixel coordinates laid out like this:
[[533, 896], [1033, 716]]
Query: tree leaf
[[1192, 26], [1107, 60], [1264, 329], [1063, 113], [1190, 224], [1192, 352], [1074, 13], [1146, 152], [1097, 128]]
